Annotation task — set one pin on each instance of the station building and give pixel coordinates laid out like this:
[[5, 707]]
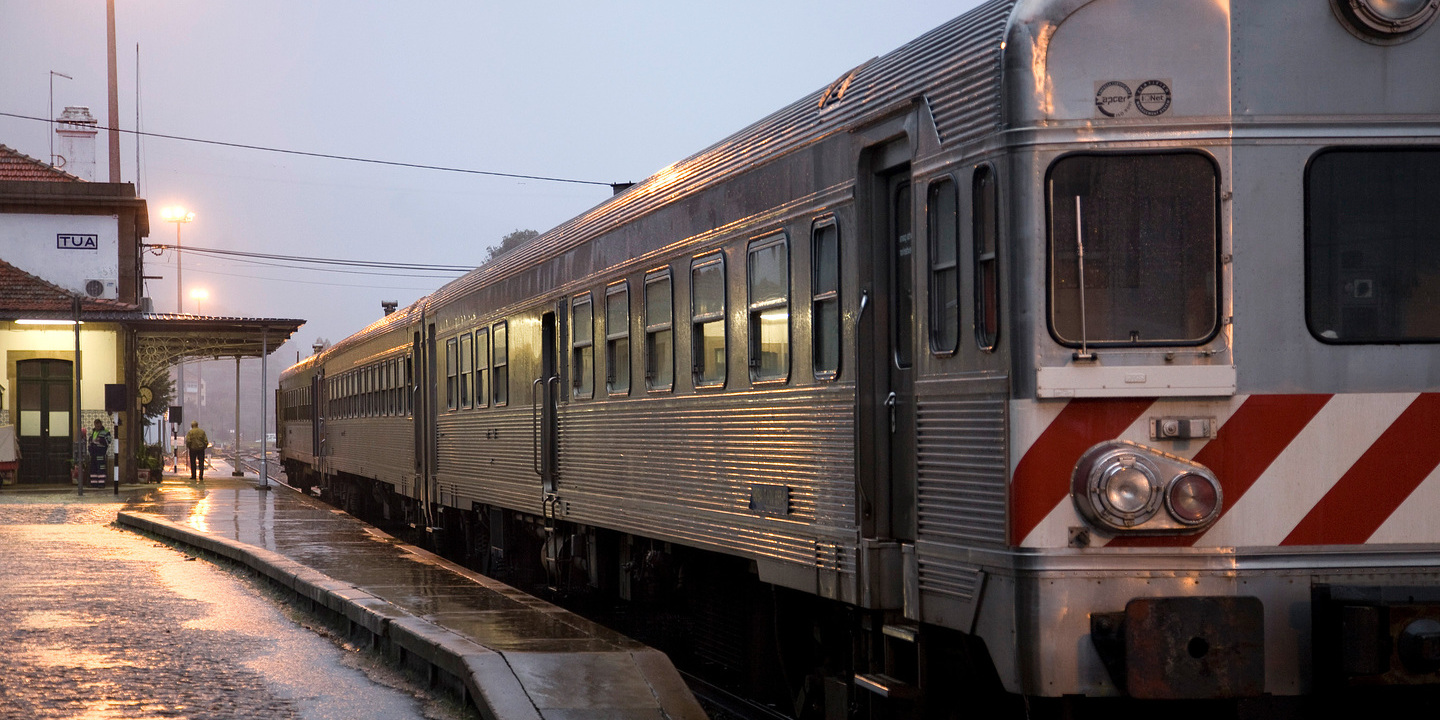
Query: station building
[[77, 340]]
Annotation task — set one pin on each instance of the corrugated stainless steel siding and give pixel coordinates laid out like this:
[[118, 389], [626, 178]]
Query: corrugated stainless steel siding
[[382, 448], [961, 460], [949, 578], [487, 455], [955, 68]]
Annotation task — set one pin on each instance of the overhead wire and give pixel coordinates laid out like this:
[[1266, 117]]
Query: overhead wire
[[380, 264], [330, 156]]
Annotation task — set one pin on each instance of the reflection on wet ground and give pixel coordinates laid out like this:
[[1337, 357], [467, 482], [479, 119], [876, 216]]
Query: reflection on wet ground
[[346, 549], [96, 622]]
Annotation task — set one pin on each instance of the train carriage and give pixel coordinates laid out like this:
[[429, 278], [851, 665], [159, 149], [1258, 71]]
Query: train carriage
[[1078, 347]]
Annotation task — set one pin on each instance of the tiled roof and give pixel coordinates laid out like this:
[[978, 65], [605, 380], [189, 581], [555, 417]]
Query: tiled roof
[[15, 165], [23, 292]]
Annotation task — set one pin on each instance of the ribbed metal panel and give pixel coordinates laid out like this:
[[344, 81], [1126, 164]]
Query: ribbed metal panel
[[375, 447], [487, 455], [961, 461], [955, 68], [949, 578]]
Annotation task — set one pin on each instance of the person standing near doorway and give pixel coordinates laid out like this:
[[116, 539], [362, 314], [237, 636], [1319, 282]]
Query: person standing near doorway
[[196, 442]]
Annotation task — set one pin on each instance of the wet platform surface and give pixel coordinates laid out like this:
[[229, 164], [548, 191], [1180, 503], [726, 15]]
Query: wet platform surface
[[519, 656]]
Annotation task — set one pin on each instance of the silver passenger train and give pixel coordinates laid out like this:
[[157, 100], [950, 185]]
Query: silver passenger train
[[1075, 348]]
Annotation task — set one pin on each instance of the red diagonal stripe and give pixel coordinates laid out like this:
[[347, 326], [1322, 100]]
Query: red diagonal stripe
[[1378, 482], [1259, 430], [1042, 478]]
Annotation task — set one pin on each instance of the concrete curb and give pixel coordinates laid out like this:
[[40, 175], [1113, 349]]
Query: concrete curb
[[488, 680]]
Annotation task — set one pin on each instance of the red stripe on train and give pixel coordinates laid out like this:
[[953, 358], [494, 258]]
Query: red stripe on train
[[1042, 478], [1372, 489], [1259, 430]]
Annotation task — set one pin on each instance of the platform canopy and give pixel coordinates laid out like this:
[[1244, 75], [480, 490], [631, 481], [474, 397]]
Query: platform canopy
[[164, 339]]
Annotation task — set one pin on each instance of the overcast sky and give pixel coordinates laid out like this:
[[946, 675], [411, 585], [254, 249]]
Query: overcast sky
[[596, 91]]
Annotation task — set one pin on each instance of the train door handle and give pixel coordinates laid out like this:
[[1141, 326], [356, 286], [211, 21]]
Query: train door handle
[[864, 303], [890, 403]]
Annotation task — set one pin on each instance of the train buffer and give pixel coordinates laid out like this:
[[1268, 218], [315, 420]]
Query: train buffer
[[507, 653]]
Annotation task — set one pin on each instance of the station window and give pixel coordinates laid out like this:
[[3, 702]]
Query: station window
[[1149, 230], [617, 339], [986, 226], [467, 367], [659, 331], [502, 362], [707, 319], [452, 374], [582, 334], [943, 215], [482, 367], [768, 277], [1372, 265], [825, 299]]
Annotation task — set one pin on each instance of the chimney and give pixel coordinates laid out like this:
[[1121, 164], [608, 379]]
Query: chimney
[[389, 306], [76, 128]]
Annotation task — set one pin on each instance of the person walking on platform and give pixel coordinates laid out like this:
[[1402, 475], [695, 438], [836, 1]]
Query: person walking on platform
[[196, 442]]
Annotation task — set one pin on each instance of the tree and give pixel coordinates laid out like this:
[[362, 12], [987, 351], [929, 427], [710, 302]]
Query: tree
[[509, 243]]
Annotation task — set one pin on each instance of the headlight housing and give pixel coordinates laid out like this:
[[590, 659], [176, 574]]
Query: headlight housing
[[1385, 22], [1121, 487]]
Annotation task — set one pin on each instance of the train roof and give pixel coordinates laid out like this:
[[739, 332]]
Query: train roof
[[954, 69]]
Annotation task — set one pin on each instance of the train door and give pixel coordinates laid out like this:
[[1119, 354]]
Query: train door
[[45, 404], [900, 401], [317, 419], [544, 407], [886, 334]]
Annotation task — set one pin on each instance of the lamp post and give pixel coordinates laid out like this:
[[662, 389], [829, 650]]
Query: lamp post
[[199, 295], [178, 215]]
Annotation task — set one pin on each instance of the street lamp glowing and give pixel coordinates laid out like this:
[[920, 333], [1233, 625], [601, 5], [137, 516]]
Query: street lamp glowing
[[199, 295], [177, 214]]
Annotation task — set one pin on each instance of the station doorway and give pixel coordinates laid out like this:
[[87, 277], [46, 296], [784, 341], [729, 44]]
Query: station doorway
[[46, 401]]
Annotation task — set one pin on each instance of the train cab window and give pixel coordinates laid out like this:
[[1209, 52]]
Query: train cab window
[[467, 367], [452, 373], [617, 339], [501, 379], [1147, 235], [1372, 265], [985, 223], [659, 332], [768, 280], [482, 367], [707, 320], [582, 344], [825, 299], [942, 212]]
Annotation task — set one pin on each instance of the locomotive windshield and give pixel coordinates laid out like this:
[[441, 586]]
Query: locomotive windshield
[[1149, 231], [1372, 260]]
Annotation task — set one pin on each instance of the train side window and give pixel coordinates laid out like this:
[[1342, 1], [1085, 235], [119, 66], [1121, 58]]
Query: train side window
[[1149, 227], [1372, 265], [582, 343], [467, 367], [409, 383], [482, 367], [985, 219], [943, 226], [617, 339], [707, 319], [452, 372], [825, 299], [502, 365], [768, 281], [659, 332]]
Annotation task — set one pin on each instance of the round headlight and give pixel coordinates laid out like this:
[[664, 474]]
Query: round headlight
[[1386, 22], [1192, 499], [1125, 489]]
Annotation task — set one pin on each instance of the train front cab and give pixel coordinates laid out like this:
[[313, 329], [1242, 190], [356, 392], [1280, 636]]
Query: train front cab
[[1223, 453]]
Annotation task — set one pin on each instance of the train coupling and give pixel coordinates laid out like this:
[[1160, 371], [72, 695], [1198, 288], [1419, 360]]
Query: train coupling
[[1177, 648], [1376, 635]]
